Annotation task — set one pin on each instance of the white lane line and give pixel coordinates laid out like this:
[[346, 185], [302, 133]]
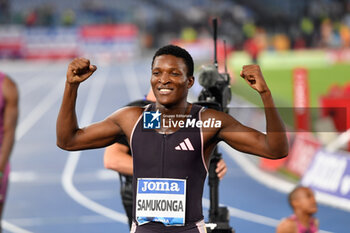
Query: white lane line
[[12, 228], [107, 174], [51, 222], [40, 75], [253, 171], [34, 177], [24, 127], [67, 182], [34, 84], [40, 109], [73, 158], [234, 212], [26, 176], [131, 82], [249, 216]]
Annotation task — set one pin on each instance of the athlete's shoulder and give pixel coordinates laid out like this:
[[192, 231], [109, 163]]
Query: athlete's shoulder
[[126, 117], [207, 113], [9, 88], [140, 103], [129, 111], [287, 225], [126, 114]]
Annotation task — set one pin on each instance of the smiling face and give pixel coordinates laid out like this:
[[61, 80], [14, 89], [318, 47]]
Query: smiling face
[[169, 80]]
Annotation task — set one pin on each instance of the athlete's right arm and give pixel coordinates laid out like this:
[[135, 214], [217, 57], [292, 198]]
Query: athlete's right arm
[[69, 135]]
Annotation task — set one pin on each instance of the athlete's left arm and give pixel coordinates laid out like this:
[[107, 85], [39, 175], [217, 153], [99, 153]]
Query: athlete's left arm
[[274, 143], [10, 116]]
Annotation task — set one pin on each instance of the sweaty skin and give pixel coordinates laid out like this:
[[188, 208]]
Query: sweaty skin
[[170, 85]]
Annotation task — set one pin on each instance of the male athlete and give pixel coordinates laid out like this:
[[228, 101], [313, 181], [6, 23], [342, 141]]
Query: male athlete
[[170, 161], [8, 123], [118, 157], [302, 200]]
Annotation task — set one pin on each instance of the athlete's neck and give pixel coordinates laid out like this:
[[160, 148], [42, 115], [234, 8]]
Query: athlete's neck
[[303, 218], [175, 114], [181, 108]]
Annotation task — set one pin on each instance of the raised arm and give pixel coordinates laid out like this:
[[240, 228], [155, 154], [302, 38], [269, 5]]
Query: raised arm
[[274, 143], [10, 94], [69, 135]]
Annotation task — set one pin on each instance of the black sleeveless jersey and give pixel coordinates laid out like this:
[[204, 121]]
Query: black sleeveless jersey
[[177, 155]]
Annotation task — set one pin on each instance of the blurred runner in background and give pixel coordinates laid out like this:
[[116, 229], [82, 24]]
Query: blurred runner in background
[[303, 203], [8, 122]]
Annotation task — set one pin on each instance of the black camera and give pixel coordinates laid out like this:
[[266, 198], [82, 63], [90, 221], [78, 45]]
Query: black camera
[[216, 87]]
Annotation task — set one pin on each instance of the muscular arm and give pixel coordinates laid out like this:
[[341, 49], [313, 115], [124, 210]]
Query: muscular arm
[[10, 120], [274, 143], [69, 135], [276, 138], [116, 158]]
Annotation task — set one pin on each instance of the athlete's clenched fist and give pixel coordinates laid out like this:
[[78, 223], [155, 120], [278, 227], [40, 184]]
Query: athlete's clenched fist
[[79, 70], [253, 76]]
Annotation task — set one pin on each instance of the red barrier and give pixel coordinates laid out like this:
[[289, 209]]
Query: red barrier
[[301, 100], [108, 32], [303, 150], [336, 104], [11, 42]]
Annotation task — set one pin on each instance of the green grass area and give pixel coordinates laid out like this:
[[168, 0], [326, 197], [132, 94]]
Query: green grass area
[[279, 78], [281, 84], [278, 68]]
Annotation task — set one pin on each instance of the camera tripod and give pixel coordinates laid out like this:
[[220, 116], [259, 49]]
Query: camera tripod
[[218, 216]]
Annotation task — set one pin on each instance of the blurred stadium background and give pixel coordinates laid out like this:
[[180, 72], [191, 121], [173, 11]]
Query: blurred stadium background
[[301, 45]]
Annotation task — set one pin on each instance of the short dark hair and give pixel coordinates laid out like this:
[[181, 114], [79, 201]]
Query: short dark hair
[[177, 52], [292, 194]]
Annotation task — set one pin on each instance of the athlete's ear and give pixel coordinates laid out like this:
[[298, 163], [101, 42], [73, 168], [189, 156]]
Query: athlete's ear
[[190, 82]]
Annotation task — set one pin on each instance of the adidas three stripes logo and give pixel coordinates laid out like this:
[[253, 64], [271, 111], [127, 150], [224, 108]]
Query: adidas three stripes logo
[[185, 145]]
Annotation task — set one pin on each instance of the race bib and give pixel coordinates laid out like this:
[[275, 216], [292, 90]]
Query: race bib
[[161, 200]]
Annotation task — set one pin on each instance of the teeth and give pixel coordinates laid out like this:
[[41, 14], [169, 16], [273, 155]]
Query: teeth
[[164, 90]]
